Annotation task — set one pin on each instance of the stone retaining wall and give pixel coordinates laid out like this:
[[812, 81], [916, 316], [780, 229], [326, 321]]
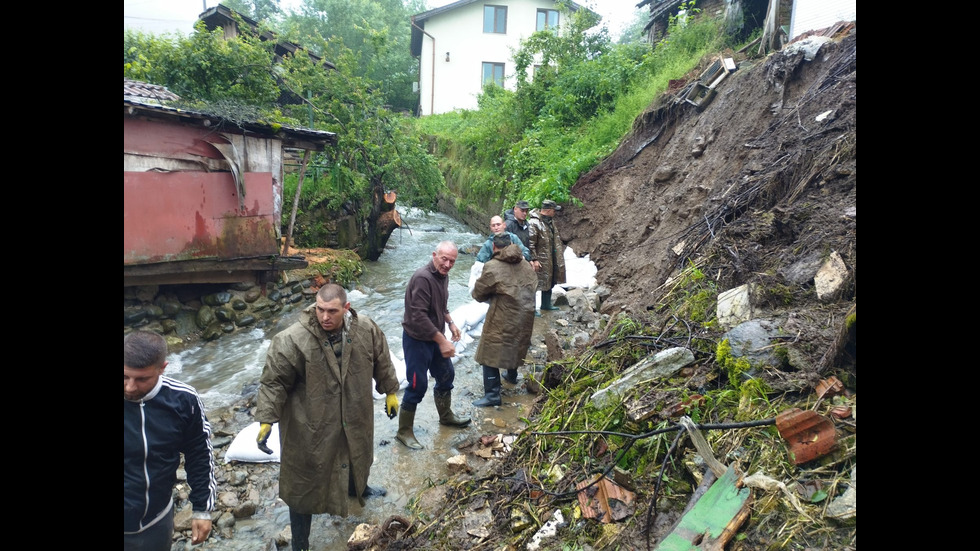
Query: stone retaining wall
[[186, 314]]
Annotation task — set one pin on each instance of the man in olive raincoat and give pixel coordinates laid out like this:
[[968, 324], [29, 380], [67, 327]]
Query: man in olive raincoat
[[508, 284], [547, 251], [316, 383]]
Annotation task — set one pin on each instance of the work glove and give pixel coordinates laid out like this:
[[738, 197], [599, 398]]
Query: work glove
[[391, 406], [263, 437]]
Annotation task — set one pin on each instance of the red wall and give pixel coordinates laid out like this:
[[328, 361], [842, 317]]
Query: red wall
[[189, 215], [192, 215]]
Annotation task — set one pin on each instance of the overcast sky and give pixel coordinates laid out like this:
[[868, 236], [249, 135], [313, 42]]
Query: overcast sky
[[161, 16]]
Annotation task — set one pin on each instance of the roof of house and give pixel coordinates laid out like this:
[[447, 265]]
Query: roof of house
[[141, 98], [418, 21], [144, 91], [221, 15]]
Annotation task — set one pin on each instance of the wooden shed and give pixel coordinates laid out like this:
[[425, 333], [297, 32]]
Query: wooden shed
[[202, 196]]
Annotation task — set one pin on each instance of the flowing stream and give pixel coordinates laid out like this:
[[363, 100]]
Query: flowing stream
[[220, 369]]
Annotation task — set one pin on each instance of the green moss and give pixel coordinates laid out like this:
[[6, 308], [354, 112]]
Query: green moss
[[694, 297], [344, 267], [734, 367], [781, 353], [780, 295]]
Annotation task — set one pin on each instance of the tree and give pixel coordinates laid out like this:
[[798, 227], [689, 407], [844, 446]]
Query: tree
[[376, 31], [258, 10], [242, 78]]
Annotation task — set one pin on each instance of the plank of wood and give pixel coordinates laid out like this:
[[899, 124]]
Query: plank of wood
[[714, 520]]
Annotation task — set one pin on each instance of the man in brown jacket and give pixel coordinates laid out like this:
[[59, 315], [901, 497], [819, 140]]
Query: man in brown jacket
[[508, 284], [427, 350], [316, 383], [547, 251]]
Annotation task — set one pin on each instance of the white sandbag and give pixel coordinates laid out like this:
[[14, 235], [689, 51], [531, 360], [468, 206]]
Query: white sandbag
[[475, 272], [470, 315], [476, 331], [580, 272], [243, 448], [399, 372]]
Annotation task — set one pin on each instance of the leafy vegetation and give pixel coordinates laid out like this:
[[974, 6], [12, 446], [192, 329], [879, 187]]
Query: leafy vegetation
[[534, 143], [242, 79], [531, 143]]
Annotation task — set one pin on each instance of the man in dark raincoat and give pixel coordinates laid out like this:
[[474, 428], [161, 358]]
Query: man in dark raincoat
[[316, 383], [508, 284], [547, 251]]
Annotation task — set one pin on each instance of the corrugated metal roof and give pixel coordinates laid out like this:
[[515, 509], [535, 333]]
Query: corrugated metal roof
[[134, 89], [145, 98]]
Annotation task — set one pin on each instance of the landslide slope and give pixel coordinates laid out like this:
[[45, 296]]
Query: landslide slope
[[758, 186]]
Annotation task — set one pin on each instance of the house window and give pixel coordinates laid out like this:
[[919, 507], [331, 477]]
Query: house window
[[495, 19], [493, 73], [547, 19]]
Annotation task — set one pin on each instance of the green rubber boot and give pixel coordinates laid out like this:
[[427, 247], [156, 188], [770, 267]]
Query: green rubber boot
[[406, 425], [444, 402], [546, 301]]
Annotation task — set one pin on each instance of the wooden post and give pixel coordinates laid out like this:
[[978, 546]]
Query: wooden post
[[299, 188]]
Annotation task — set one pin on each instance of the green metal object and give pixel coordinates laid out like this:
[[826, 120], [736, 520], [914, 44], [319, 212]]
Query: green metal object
[[717, 510]]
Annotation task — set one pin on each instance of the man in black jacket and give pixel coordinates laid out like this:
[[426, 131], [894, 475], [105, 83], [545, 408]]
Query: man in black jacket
[[516, 220], [162, 419]]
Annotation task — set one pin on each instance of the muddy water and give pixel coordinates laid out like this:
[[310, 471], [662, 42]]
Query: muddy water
[[221, 368]]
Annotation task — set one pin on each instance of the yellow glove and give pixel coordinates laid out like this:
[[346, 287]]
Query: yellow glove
[[391, 406], [263, 437]]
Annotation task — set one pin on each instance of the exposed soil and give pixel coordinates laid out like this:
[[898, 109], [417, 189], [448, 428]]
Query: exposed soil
[[758, 187]]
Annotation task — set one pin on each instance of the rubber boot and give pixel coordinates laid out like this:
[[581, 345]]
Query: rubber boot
[[300, 525], [546, 301], [406, 424], [510, 376], [368, 492], [444, 403], [491, 388]]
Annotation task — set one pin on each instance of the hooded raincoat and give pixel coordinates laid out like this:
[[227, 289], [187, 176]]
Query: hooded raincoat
[[324, 409], [546, 247], [508, 284]]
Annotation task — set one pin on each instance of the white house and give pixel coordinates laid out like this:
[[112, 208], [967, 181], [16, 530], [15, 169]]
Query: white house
[[465, 44], [810, 15]]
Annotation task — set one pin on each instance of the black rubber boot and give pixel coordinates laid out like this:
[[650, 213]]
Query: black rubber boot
[[299, 525], [368, 492], [491, 388], [510, 376], [444, 403]]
